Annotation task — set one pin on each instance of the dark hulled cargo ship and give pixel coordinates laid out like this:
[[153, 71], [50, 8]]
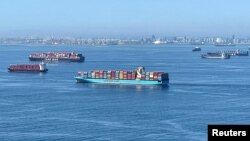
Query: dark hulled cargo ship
[[124, 77], [57, 56], [216, 55], [237, 52], [225, 54], [28, 68], [225, 44]]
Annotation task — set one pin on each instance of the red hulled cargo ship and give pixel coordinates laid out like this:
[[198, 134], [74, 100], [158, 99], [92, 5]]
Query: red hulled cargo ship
[[57, 56], [28, 68]]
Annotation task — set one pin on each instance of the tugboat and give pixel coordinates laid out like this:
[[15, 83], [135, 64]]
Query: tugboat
[[222, 55], [196, 49], [28, 68], [124, 77]]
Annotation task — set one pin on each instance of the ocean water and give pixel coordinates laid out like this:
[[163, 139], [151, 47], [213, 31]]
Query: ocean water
[[52, 106]]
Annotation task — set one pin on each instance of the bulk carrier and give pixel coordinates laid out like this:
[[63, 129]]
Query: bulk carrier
[[57, 56], [28, 68], [124, 77]]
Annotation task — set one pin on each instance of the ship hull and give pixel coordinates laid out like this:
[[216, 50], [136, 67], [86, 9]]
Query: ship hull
[[211, 57], [12, 70], [245, 54], [205, 57], [119, 81], [240, 54]]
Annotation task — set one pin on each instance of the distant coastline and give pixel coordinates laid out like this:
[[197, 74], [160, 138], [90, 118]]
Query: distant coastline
[[183, 40]]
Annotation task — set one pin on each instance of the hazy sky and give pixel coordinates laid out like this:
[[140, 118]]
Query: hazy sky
[[121, 18]]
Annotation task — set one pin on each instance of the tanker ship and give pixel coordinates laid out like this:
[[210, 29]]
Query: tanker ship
[[28, 68], [57, 56], [139, 76]]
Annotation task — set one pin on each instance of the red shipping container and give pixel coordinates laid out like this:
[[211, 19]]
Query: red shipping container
[[125, 77], [97, 75], [155, 74], [101, 75]]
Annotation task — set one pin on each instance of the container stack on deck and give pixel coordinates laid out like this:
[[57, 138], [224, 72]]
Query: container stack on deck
[[124, 75], [57, 56], [28, 67], [22, 67]]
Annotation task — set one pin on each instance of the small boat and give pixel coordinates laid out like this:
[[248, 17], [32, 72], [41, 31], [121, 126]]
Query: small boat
[[196, 49], [216, 56], [28, 68]]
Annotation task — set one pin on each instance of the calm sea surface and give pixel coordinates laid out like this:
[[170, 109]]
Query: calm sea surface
[[53, 106]]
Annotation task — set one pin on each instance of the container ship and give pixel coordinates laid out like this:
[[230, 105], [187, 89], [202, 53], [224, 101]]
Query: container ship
[[197, 43], [216, 55], [225, 44], [237, 52], [231, 52], [28, 68], [138, 76], [57, 56]]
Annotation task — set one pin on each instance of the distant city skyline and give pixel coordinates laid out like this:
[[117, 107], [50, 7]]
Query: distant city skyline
[[129, 18], [217, 41]]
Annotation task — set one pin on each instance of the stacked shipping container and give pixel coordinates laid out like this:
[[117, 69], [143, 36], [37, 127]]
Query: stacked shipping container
[[24, 67], [28, 67], [124, 75], [56, 55]]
